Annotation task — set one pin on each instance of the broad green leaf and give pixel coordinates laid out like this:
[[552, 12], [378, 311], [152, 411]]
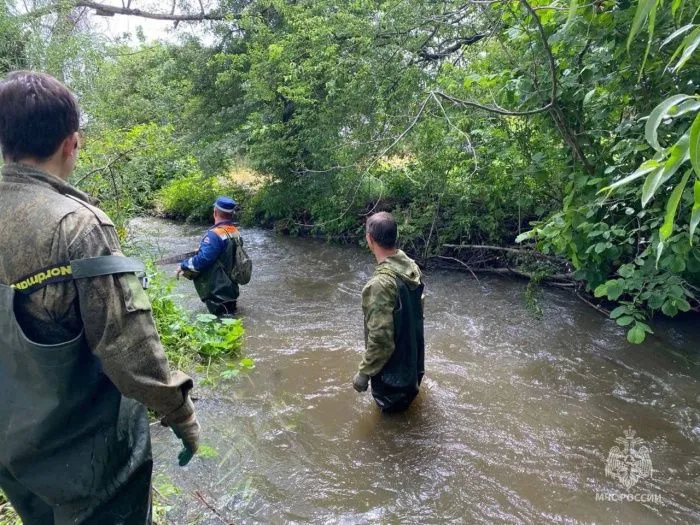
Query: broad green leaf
[[691, 43], [676, 264], [669, 308], [657, 115], [678, 155], [636, 334], [656, 301], [672, 207], [644, 7], [694, 146], [645, 327], [677, 33], [525, 235], [626, 270], [695, 215], [620, 310], [573, 5], [625, 320], [682, 305], [615, 289]]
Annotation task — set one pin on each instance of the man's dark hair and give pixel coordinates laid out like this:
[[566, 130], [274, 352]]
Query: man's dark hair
[[37, 113], [382, 228]]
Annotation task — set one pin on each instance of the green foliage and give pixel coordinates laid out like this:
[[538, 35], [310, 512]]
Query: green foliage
[[13, 53], [8, 516], [469, 121], [188, 341], [164, 495], [190, 198]]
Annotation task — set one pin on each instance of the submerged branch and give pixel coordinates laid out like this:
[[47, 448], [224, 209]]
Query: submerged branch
[[529, 253]]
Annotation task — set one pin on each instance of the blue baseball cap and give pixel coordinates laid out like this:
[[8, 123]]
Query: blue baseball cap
[[225, 204]]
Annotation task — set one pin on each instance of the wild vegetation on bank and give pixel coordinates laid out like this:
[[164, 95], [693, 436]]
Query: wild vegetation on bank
[[570, 128]]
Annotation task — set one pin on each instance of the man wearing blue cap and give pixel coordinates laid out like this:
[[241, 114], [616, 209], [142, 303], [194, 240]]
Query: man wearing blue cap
[[210, 269]]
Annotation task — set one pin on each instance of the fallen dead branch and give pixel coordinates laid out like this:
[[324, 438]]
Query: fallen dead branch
[[211, 507]]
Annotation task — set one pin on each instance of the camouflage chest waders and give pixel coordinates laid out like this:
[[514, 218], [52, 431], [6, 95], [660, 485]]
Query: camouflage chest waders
[[73, 450], [396, 385]]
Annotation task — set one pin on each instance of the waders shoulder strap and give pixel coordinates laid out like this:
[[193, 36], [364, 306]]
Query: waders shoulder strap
[[105, 265], [78, 269]]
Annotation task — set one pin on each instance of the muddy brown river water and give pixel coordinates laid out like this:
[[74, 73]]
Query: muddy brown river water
[[514, 423]]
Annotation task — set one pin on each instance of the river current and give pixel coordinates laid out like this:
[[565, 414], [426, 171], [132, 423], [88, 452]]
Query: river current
[[515, 421]]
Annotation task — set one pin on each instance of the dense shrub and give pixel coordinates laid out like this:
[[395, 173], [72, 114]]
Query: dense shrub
[[190, 198]]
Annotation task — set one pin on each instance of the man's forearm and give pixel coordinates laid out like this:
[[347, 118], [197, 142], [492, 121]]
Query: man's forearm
[[376, 355], [139, 368]]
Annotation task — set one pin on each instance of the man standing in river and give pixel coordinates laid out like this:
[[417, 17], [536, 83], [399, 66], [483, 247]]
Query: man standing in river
[[393, 311], [211, 267], [79, 351]]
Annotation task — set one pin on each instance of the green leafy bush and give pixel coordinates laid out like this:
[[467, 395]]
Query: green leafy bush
[[190, 198], [188, 341]]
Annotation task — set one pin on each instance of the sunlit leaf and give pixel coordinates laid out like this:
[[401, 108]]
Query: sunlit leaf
[[675, 5], [695, 216], [659, 251], [678, 155], [652, 23], [691, 43], [525, 236], [672, 207], [636, 334], [677, 33], [694, 145], [644, 7], [656, 117]]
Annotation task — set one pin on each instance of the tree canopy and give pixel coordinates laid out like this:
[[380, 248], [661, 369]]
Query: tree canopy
[[572, 128]]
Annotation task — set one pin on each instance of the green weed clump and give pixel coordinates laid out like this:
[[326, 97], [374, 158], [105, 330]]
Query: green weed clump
[[188, 341]]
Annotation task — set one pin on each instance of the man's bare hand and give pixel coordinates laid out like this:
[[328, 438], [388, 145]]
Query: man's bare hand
[[178, 272]]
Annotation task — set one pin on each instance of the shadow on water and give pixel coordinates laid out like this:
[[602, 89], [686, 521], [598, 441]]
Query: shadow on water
[[514, 422]]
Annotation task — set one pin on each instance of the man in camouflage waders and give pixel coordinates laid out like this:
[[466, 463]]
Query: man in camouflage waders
[[393, 311], [79, 351]]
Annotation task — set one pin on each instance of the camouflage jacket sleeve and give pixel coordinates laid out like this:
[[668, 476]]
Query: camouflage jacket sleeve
[[378, 300], [119, 326]]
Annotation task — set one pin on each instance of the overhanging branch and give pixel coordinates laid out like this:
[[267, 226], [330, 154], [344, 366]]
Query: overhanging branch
[[111, 10], [427, 55]]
